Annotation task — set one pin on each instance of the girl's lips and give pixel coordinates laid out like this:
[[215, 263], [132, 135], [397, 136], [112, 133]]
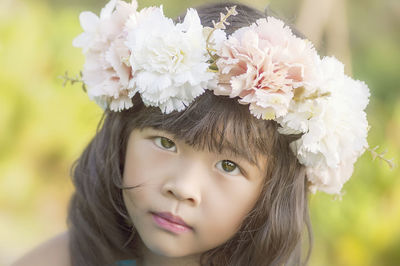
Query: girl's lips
[[170, 222]]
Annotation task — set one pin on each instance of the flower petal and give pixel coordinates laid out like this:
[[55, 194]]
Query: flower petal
[[89, 21]]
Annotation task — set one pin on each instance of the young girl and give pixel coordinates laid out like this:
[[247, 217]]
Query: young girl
[[216, 127]]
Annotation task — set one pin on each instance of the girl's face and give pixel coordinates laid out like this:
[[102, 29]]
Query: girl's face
[[210, 193]]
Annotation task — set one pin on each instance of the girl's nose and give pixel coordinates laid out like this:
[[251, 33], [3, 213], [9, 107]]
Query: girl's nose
[[185, 184]]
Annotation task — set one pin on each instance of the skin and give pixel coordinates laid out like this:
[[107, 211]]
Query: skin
[[211, 195], [52, 252]]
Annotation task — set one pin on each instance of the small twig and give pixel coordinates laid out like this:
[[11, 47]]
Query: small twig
[[220, 25], [298, 95], [380, 156], [73, 80]]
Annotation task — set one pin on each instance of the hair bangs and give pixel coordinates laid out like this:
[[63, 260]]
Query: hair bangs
[[217, 124]]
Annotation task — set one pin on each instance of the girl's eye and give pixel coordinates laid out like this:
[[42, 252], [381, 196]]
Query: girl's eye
[[165, 143], [228, 167]]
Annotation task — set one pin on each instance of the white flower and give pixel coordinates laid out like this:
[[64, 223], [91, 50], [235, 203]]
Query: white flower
[[335, 134], [169, 62], [266, 105]]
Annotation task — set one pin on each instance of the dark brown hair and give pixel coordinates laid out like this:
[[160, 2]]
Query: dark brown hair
[[100, 229]]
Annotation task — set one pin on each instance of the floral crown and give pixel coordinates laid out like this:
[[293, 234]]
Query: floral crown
[[280, 76]]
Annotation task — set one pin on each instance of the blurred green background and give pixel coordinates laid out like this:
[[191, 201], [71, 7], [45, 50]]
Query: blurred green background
[[45, 126]]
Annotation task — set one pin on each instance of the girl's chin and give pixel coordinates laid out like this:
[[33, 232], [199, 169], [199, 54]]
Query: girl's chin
[[167, 252]]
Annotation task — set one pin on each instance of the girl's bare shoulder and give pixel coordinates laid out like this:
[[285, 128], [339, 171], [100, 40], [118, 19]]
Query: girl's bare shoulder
[[55, 251]]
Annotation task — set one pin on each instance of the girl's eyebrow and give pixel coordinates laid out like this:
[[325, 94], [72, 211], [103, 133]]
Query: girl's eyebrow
[[241, 154], [156, 131]]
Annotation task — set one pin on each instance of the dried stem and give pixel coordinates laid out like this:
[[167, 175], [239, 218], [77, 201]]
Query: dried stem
[[220, 25], [73, 80], [298, 95], [380, 156]]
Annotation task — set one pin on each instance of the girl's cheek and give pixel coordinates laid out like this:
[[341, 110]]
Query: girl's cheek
[[146, 163]]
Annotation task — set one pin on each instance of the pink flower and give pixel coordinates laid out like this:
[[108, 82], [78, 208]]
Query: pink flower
[[263, 64], [107, 72]]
